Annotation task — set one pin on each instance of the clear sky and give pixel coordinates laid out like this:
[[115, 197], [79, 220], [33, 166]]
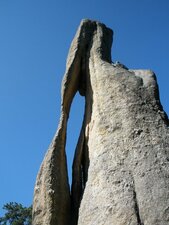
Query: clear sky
[[34, 40]]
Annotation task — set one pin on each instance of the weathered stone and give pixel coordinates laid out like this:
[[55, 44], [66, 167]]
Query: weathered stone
[[121, 162]]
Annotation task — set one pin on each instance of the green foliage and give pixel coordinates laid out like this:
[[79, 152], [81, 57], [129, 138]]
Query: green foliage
[[16, 214]]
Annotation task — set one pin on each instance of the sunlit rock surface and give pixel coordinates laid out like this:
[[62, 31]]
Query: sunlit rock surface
[[121, 162]]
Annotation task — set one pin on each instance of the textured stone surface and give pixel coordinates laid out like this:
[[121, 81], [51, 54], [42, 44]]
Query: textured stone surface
[[121, 162]]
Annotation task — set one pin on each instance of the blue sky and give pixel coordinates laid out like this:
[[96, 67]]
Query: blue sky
[[34, 40]]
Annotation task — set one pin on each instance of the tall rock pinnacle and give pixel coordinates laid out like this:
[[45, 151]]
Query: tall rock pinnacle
[[121, 162]]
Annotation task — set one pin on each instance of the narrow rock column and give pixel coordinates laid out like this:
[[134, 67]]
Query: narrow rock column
[[52, 202]]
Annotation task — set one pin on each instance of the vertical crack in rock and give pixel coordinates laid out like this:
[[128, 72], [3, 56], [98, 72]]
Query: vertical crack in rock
[[81, 160], [124, 126], [136, 205], [137, 209]]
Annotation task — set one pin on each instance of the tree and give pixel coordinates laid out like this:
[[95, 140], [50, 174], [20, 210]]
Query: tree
[[16, 214]]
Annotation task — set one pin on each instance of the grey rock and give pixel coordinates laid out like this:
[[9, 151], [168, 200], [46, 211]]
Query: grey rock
[[118, 64], [121, 162]]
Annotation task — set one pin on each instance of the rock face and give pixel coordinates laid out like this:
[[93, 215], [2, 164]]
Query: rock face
[[121, 162]]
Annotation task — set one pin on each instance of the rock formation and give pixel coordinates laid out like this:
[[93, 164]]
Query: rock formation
[[121, 162]]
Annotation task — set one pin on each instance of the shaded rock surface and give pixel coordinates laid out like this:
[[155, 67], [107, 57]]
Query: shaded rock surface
[[121, 162]]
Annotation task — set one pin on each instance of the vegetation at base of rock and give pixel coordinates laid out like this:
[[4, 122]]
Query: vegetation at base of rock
[[16, 214]]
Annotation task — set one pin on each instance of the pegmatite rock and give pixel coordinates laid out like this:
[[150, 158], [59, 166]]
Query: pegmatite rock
[[121, 163]]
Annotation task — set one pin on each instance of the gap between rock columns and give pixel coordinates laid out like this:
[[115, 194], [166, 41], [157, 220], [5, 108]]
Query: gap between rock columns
[[98, 37], [53, 203]]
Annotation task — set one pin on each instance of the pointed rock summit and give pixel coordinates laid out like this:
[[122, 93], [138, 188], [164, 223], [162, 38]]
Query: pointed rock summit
[[121, 162]]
